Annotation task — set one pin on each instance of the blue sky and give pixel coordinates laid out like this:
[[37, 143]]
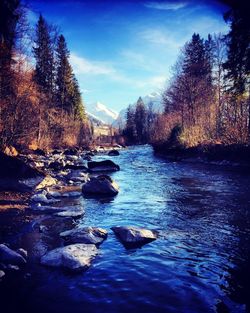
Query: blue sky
[[121, 50]]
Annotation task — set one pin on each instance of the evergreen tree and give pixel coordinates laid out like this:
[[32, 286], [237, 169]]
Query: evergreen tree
[[77, 103], [67, 87], [64, 76], [141, 121], [130, 125], [10, 16], [238, 62], [43, 52]]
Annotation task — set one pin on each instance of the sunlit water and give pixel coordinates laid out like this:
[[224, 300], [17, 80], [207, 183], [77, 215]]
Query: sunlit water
[[199, 263]]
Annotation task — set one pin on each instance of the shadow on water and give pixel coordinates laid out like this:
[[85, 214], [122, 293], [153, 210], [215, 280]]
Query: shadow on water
[[199, 263]]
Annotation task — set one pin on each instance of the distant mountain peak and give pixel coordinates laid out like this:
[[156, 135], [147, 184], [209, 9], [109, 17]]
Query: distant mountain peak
[[101, 112]]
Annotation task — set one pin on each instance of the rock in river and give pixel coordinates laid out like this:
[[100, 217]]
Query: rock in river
[[132, 236], [102, 185], [113, 152], [13, 171], [73, 257], [87, 235], [103, 166], [9, 256], [73, 212]]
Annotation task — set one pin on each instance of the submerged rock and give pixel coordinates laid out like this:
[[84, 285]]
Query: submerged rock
[[87, 235], [103, 166], [75, 257], [73, 212], [132, 236], [102, 185], [9, 256]]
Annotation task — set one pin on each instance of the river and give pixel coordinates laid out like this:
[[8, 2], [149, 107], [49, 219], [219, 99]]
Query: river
[[199, 263]]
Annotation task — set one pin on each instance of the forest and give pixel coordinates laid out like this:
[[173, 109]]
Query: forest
[[41, 103], [206, 101]]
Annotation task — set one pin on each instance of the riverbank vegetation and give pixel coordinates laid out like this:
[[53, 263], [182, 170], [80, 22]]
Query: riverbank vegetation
[[207, 100], [41, 103]]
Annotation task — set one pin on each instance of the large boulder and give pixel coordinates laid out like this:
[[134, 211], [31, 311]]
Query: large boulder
[[57, 165], [87, 235], [38, 182], [103, 166], [75, 257], [102, 185], [132, 236], [13, 171], [9, 256]]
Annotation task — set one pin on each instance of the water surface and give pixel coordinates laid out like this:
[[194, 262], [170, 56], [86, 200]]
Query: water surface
[[200, 263]]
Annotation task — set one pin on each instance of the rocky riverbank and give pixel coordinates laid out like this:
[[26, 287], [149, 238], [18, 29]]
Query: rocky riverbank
[[35, 186], [218, 154]]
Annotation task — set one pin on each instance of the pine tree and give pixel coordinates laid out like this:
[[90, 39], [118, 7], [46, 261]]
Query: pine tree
[[238, 62], [67, 87], [43, 53], [77, 103], [64, 76], [130, 125], [141, 121], [10, 16]]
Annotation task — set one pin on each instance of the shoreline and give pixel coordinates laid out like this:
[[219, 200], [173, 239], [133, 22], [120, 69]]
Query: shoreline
[[217, 154]]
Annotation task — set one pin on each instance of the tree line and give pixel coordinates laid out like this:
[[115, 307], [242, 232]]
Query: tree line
[[139, 123], [41, 104], [208, 95]]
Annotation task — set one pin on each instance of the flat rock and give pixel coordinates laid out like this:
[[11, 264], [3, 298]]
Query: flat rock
[[9, 256], [75, 257], [42, 198], [74, 212], [54, 209], [102, 185], [132, 236], [87, 235], [103, 166]]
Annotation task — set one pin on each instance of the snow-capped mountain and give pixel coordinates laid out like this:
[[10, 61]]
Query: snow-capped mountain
[[101, 112], [152, 100]]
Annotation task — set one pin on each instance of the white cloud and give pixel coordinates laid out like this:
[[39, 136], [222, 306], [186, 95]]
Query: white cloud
[[166, 5], [154, 82], [160, 37], [82, 65]]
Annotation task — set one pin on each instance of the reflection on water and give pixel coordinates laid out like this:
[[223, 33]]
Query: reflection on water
[[200, 263]]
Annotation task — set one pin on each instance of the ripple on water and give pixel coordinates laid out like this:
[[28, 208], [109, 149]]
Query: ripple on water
[[198, 263]]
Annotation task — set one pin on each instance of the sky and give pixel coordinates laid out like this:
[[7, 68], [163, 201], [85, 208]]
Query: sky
[[120, 50]]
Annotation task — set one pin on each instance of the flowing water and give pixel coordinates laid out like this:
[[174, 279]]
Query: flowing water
[[199, 263]]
